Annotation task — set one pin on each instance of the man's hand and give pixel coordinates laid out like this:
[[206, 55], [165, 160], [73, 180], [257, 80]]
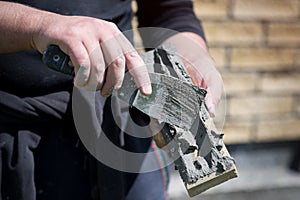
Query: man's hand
[[192, 50], [92, 44]]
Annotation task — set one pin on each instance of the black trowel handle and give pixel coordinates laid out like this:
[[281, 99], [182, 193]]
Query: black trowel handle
[[57, 60]]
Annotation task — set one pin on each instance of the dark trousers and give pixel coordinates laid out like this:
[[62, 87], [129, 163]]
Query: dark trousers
[[41, 157]]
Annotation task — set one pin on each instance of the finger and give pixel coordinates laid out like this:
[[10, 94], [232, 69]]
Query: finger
[[206, 76], [97, 65], [111, 49], [214, 84], [214, 91], [136, 66], [200, 66], [196, 76], [115, 61], [200, 81], [138, 70], [114, 76], [209, 104], [80, 60]]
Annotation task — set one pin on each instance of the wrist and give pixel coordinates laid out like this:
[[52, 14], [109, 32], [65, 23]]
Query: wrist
[[41, 32]]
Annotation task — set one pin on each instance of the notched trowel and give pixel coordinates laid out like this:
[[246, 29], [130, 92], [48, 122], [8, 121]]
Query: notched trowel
[[193, 143]]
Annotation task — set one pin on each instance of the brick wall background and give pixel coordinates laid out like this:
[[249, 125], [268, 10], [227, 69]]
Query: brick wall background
[[256, 47]]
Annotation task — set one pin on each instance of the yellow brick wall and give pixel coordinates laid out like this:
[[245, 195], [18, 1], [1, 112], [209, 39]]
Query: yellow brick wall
[[256, 47]]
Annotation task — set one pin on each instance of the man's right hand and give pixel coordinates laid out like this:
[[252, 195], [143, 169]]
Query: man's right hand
[[92, 44]]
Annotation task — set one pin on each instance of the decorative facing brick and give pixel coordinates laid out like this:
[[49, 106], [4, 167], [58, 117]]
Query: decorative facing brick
[[272, 10]]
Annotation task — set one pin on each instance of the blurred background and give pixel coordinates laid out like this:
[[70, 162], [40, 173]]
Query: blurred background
[[256, 47]]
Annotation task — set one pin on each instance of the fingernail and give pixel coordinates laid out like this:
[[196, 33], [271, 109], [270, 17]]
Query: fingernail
[[147, 90]]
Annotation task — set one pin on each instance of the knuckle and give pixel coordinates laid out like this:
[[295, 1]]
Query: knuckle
[[119, 62], [113, 28], [70, 32], [99, 71], [112, 25], [132, 55]]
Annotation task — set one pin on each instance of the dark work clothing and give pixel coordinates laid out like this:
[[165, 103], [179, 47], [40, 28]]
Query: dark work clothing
[[40, 152], [43, 168], [50, 149], [176, 15]]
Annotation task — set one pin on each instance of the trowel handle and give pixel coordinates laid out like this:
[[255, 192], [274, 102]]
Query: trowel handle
[[57, 60]]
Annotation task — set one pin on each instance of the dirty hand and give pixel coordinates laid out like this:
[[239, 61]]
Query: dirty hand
[[92, 44], [192, 50]]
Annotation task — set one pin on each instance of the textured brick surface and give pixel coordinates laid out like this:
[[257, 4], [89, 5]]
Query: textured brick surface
[[263, 58], [278, 130], [233, 33], [281, 83], [211, 9], [259, 105], [237, 83], [256, 48], [266, 9], [219, 56], [237, 132], [297, 105], [284, 34]]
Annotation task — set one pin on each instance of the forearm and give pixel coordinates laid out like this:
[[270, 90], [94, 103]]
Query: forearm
[[18, 25]]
